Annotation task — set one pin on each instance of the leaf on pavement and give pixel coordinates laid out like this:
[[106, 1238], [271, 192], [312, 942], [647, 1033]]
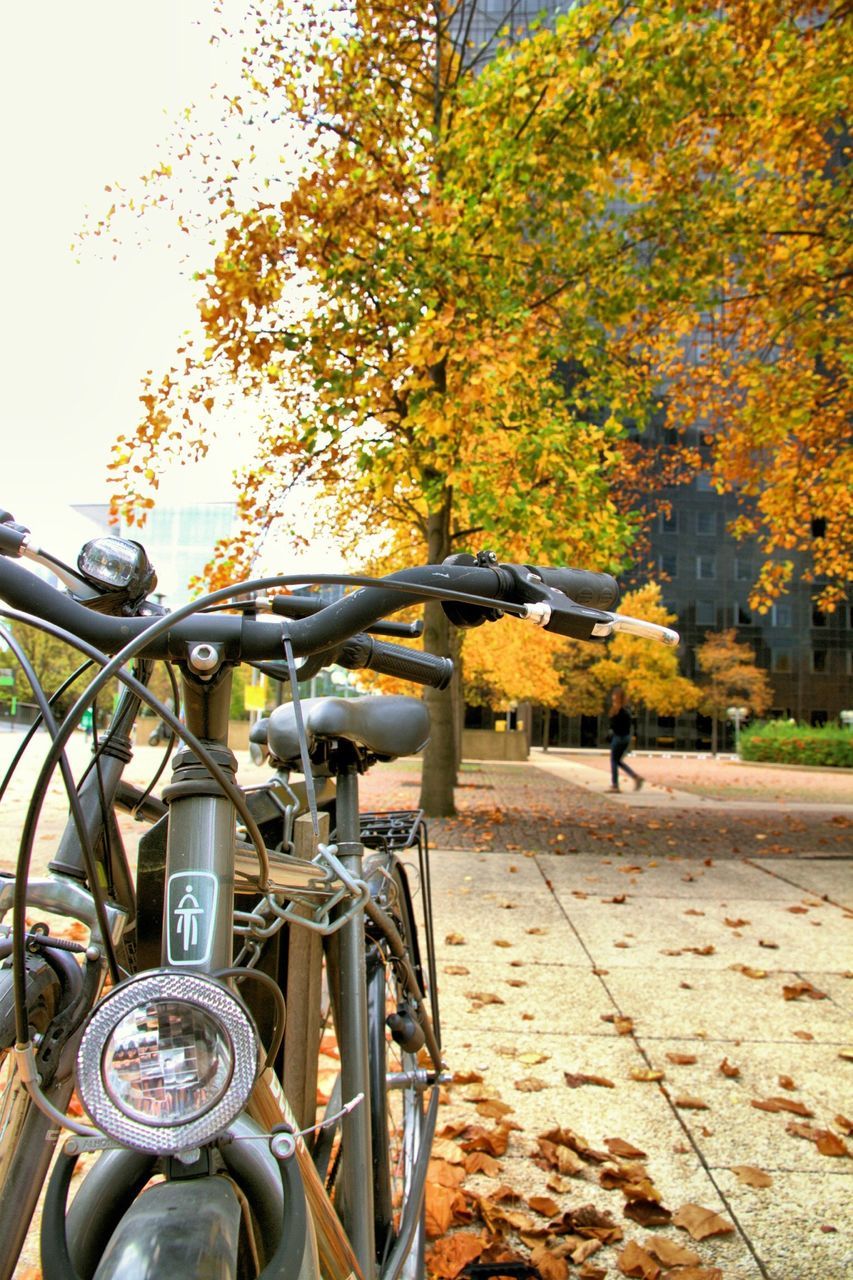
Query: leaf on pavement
[[783, 1104], [670, 1252], [467, 1077], [682, 1059], [441, 1204], [544, 1205], [549, 1266], [649, 1213], [455, 940], [646, 1075], [448, 1257], [748, 971], [750, 1176], [624, 1150], [736, 924], [634, 1260], [687, 1102], [700, 1222], [482, 1162], [797, 990], [575, 1080], [457, 970], [493, 1109], [445, 1174], [484, 997], [530, 1084], [729, 1069]]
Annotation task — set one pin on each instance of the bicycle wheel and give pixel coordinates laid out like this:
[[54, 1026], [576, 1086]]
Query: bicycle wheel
[[397, 1112]]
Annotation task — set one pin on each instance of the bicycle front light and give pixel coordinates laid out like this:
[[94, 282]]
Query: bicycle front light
[[167, 1061]]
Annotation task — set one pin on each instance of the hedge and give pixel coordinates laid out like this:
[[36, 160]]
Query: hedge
[[782, 742]]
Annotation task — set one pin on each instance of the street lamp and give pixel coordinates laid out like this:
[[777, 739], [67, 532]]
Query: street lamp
[[737, 715]]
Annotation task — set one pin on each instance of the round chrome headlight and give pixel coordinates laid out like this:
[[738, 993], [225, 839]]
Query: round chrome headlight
[[167, 1061]]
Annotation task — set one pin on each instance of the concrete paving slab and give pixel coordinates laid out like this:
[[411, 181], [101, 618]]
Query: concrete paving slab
[[550, 997], [658, 932], [824, 877], [676, 877], [714, 1005], [801, 1226]]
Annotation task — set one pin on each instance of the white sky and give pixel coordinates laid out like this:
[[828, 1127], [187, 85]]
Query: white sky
[[87, 91]]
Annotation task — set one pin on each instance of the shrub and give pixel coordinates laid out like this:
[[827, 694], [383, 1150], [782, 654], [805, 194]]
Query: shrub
[[781, 742]]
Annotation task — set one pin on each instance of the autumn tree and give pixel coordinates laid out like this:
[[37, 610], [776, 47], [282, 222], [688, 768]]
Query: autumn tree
[[468, 223], [462, 230], [762, 374], [729, 677]]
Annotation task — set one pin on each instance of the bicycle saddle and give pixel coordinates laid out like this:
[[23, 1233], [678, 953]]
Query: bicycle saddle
[[385, 725]]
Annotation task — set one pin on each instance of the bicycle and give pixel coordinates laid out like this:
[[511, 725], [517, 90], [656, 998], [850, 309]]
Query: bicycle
[[243, 916]]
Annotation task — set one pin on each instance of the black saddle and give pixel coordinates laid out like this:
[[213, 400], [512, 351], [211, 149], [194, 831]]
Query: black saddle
[[386, 726]]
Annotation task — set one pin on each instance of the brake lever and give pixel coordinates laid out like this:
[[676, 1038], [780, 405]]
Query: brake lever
[[620, 622]]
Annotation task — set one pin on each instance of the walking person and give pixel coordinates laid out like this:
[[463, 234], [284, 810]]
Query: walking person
[[620, 740]]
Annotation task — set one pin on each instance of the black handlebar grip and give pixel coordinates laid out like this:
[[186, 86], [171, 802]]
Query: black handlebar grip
[[593, 590], [394, 660]]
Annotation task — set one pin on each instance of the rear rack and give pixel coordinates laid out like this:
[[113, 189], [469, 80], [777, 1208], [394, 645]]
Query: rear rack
[[394, 830]]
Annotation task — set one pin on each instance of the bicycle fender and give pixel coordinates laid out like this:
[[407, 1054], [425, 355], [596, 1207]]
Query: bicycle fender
[[183, 1228]]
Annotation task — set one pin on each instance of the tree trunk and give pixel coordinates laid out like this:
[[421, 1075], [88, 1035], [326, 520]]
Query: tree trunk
[[440, 757], [713, 735]]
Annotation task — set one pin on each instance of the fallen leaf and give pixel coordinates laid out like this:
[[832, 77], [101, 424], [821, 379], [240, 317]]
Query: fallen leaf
[[530, 1084], [845, 1125], [729, 1069], [445, 1174], [575, 1081], [548, 1265], [483, 997], [619, 1147], [457, 970], [670, 1252], [694, 1273], [532, 1059], [649, 1213], [804, 1035], [785, 1082], [803, 988], [748, 971], [544, 1205], [783, 1104], [709, 950], [736, 924], [646, 1075], [750, 1176], [502, 942], [493, 1109], [682, 1059], [771, 946], [467, 1077], [448, 1257], [482, 1162], [829, 1144], [688, 1103], [635, 1261], [455, 940], [439, 1204], [701, 1222]]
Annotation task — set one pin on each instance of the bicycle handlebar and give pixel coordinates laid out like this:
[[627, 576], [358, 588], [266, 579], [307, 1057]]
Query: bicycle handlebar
[[482, 589]]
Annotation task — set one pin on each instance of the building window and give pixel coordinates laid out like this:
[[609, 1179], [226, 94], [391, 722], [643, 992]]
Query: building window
[[742, 615], [706, 567], [706, 613], [706, 522], [703, 482], [668, 564], [818, 618], [781, 615], [780, 660], [819, 527], [743, 570], [669, 522], [820, 660], [819, 718]]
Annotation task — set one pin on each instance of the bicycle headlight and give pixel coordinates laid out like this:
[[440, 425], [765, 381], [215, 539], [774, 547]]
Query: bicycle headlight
[[167, 1061]]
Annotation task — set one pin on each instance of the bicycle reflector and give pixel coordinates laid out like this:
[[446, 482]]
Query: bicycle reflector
[[167, 1061]]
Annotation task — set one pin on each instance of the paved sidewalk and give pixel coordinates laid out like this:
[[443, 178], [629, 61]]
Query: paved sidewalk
[[663, 942]]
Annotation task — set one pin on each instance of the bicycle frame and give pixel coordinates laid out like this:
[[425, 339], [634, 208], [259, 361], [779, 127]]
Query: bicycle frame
[[197, 936]]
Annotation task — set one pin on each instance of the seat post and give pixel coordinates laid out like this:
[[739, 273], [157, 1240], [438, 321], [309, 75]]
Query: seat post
[[352, 1031]]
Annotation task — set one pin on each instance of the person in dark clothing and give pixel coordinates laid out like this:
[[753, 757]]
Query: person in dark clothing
[[620, 740]]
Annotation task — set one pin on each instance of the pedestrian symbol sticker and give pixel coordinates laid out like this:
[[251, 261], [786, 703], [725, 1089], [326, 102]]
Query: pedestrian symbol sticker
[[192, 897]]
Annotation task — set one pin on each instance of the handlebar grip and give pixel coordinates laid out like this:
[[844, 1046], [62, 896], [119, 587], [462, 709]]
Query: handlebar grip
[[593, 590], [362, 652]]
